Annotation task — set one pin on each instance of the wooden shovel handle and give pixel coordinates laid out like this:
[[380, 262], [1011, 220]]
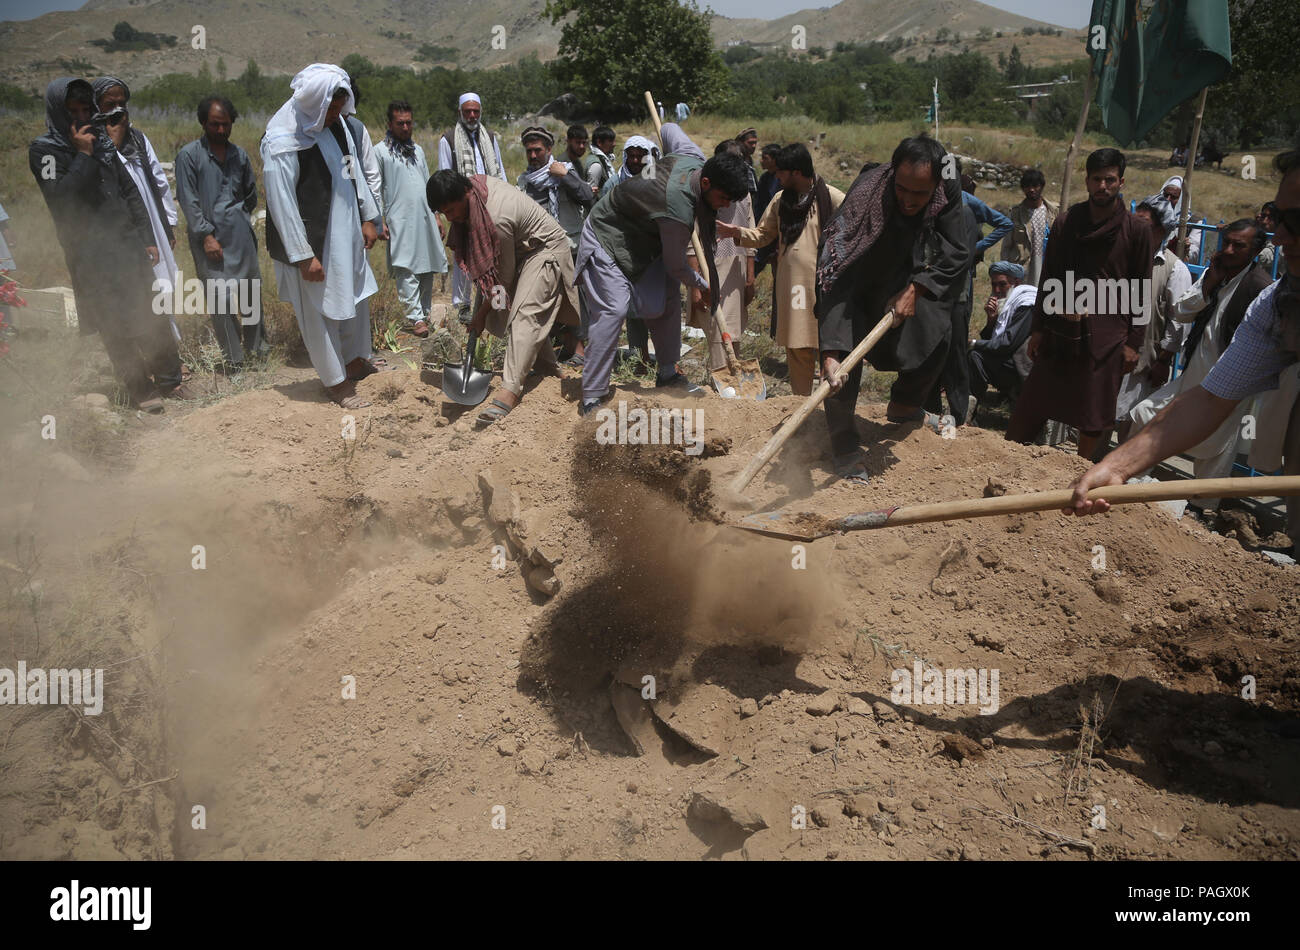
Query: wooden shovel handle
[[718, 324], [741, 481], [1177, 490]]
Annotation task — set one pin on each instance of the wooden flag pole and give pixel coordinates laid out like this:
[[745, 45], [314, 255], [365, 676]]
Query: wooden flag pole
[[1184, 246], [1089, 88]]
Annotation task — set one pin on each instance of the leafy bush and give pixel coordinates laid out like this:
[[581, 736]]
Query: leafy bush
[[127, 38]]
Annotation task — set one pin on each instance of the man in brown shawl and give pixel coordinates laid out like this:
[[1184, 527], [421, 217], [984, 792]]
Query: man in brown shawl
[[1090, 317]]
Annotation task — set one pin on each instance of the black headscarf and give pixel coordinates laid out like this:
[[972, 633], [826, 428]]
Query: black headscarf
[[58, 123], [402, 150]]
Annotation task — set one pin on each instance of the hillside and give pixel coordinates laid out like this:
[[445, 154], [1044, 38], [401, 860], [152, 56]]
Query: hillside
[[282, 38]]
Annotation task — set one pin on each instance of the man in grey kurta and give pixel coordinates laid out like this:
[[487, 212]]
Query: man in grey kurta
[[415, 252], [217, 190]]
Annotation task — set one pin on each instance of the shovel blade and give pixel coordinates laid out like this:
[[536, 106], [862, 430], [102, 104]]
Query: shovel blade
[[466, 390], [747, 383], [792, 526]]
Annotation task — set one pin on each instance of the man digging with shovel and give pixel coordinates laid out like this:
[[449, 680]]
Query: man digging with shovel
[[632, 255], [902, 240], [518, 256]]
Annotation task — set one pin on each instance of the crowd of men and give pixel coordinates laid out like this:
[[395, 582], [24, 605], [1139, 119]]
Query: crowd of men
[[584, 247]]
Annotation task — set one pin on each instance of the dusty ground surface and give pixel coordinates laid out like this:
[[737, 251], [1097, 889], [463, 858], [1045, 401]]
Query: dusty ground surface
[[369, 663]]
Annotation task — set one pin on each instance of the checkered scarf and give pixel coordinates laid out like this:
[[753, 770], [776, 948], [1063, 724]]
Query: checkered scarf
[[860, 221], [477, 244]]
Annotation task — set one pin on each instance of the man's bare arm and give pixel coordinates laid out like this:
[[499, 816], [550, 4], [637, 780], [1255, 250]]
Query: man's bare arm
[[1189, 419]]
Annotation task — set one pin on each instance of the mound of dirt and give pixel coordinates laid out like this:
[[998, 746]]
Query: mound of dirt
[[369, 665]]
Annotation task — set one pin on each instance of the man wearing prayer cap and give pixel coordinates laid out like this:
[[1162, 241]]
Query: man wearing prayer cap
[[469, 148]]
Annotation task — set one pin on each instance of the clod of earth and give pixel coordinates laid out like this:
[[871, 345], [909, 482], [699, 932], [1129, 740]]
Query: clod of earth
[[710, 806]]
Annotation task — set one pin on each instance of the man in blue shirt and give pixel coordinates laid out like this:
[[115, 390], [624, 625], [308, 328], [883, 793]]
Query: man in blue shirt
[[955, 379]]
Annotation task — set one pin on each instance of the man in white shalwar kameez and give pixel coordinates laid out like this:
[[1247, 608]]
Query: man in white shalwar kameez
[[321, 269], [415, 252]]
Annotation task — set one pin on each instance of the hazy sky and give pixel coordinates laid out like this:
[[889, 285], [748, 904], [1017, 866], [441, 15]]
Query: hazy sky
[[1072, 13]]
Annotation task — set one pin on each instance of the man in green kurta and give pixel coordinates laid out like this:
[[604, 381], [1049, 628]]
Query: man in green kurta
[[415, 252]]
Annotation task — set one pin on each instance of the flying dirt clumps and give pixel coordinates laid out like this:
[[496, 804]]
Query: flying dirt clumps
[[665, 468]]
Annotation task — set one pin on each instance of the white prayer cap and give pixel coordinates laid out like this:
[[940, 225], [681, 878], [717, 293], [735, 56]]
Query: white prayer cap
[[468, 97]]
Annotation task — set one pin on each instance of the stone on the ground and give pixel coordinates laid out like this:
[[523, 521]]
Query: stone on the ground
[[823, 705]]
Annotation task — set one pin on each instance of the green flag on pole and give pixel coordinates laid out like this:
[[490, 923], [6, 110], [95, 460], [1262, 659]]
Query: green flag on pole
[[1150, 55]]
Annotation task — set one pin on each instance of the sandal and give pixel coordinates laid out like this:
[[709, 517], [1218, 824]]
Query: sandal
[[577, 360], [345, 396], [930, 420], [495, 412]]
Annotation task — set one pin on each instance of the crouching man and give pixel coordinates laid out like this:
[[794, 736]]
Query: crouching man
[[518, 256]]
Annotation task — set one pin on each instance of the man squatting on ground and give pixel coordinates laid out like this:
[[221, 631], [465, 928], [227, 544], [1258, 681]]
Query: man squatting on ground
[[518, 256]]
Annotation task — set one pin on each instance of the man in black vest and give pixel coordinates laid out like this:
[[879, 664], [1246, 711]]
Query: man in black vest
[[315, 188]]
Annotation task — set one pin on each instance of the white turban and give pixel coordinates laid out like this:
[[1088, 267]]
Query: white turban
[[296, 124], [468, 97]]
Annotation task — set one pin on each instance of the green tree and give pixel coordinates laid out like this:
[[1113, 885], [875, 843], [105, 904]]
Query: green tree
[[1015, 71], [743, 53], [612, 51], [1258, 101], [221, 69], [354, 64]]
